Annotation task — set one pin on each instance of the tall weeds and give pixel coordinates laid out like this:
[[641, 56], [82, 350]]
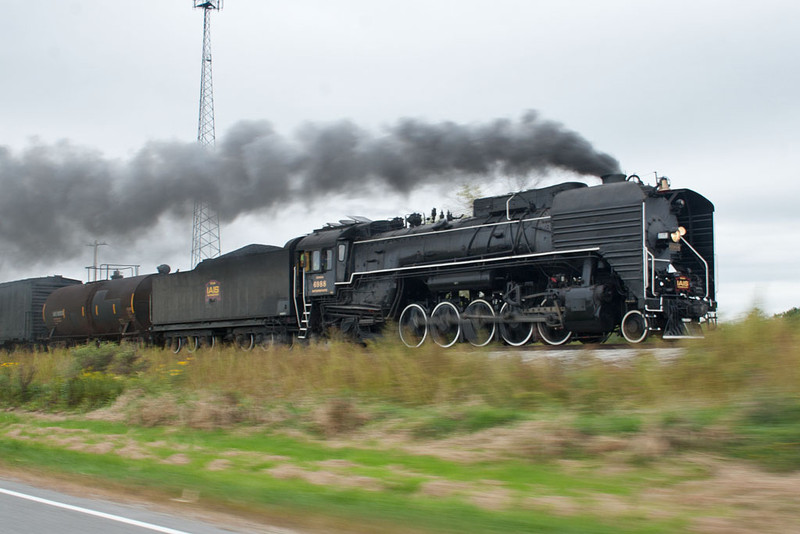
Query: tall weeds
[[755, 357]]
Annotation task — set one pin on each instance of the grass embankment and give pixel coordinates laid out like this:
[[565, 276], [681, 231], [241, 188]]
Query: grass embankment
[[388, 438]]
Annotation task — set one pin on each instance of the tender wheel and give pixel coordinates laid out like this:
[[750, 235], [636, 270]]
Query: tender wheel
[[273, 340], [550, 335], [245, 342], [267, 341], [413, 325], [634, 327], [445, 324], [514, 333], [479, 324], [193, 343], [176, 344]]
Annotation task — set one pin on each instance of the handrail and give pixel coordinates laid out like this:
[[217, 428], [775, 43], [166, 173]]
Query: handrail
[[508, 206], [652, 264], [705, 263], [294, 297], [645, 250], [459, 229], [466, 262]]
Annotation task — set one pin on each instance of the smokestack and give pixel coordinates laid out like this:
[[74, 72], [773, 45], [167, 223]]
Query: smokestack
[[613, 178]]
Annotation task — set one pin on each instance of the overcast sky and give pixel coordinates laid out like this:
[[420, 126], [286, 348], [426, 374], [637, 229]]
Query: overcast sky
[[704, 92]]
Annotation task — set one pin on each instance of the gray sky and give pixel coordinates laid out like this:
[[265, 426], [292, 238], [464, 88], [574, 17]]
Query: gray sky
[[704, 92]]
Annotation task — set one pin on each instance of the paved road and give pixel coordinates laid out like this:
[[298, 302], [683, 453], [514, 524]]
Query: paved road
[[25, 509]]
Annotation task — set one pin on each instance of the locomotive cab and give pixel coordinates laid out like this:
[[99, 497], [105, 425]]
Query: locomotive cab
[[317, 260], [320, 261], [325, 294]]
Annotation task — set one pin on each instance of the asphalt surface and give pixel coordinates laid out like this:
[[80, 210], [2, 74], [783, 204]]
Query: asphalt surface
[[25, 509]]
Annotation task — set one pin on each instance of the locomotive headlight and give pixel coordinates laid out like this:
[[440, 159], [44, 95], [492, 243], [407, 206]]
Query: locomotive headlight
[[678, 234]]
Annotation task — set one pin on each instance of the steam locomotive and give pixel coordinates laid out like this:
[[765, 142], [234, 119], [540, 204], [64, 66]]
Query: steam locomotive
[[555, 264]]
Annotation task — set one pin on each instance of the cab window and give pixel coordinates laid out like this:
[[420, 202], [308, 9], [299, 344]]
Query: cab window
[[316, 261]]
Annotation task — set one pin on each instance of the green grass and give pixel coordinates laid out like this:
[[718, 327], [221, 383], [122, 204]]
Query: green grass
[[247, 486], [609, 424], [768, 432], [466, 419]]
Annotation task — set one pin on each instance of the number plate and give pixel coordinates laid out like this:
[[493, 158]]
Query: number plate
[[682, 283]]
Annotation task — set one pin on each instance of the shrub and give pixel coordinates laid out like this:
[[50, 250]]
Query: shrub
[[90, 390], [108, 357], [16, 382]]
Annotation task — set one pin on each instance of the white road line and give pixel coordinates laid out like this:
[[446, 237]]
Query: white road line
[[95, 513]]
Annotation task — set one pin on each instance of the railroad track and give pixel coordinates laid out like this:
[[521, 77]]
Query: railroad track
[[611, 353]]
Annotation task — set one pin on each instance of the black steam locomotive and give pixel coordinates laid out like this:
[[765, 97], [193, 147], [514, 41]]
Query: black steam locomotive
[[567, 262]]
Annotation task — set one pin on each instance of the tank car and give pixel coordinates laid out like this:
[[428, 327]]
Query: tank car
[[113, 309]]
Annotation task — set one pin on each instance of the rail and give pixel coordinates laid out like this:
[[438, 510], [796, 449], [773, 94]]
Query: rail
[[107, 271]]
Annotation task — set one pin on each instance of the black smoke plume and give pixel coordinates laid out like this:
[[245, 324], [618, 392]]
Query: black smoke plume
[[57, 197]]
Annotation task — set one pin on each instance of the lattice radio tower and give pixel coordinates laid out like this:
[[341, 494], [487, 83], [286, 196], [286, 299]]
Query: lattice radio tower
[[205, 226]]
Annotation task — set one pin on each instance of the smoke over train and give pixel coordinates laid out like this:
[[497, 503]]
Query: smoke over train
[[55, 195]]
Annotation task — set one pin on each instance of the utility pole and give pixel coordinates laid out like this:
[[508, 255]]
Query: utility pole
[[93, 274], [205, 224]]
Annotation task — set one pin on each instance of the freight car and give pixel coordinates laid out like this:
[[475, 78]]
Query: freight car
[[21, 303], [112, 310], [561, 263]]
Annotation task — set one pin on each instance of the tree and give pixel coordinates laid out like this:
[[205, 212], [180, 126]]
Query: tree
[[466, 195], [793, 314]]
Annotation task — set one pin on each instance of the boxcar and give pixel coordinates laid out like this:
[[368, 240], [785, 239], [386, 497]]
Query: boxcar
[[21, 302]]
